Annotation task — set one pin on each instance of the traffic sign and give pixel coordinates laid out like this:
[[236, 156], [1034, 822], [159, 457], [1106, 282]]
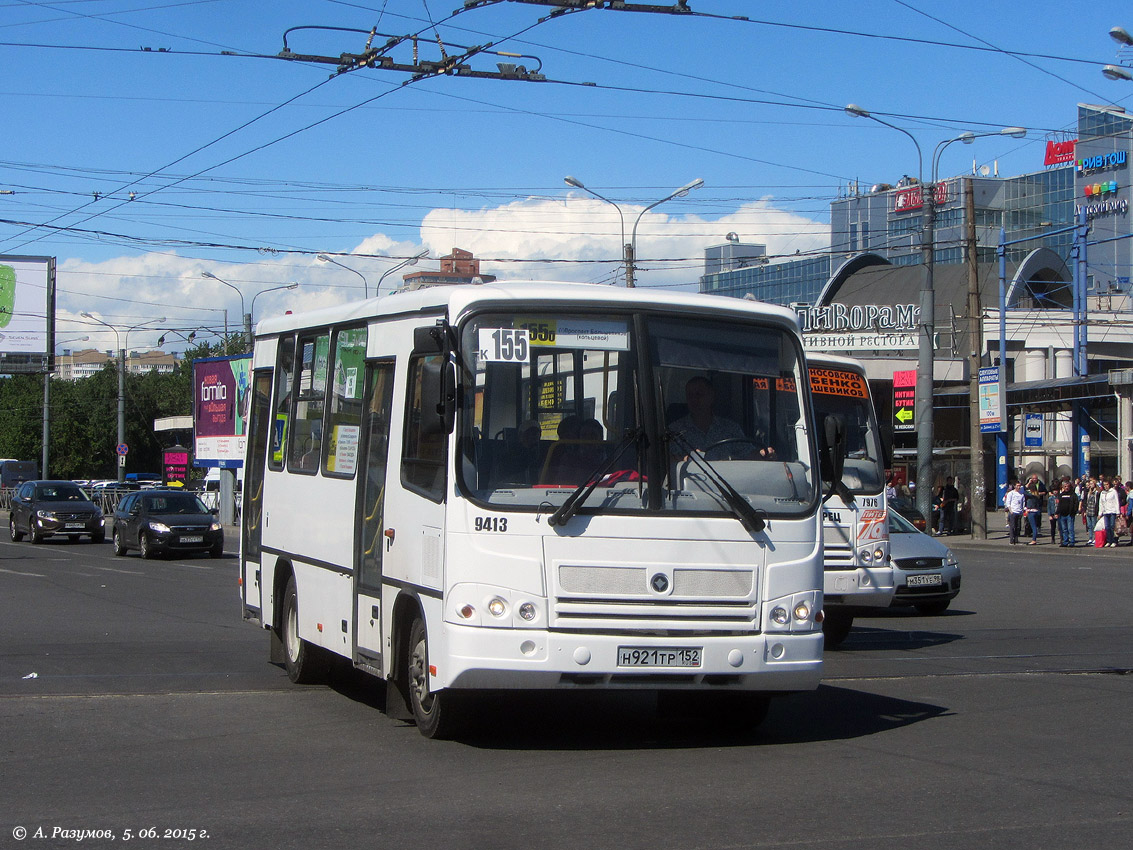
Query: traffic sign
[[122, 449]]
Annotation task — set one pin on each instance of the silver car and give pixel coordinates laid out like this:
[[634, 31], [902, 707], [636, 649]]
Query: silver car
[[925, 571]]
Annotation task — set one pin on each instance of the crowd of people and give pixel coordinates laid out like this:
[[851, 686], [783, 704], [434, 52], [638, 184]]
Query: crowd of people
[[1099, 506]]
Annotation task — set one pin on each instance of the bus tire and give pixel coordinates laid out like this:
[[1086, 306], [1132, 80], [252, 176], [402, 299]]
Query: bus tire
[[836, 627], [305, 663], [436, 713]]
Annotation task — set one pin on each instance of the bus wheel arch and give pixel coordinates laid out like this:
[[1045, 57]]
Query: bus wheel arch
[[306, 664], [437, 714]]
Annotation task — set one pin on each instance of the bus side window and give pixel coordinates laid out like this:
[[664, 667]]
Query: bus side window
[[423, 449], [284, 376], [308, 400]]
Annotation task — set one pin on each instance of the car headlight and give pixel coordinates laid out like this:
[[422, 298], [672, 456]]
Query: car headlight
[[159, 527], [950, 559], [216, 526], [45, 514]]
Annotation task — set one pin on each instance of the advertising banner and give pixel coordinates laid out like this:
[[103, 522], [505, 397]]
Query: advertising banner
[[27, 313], [220, 395]]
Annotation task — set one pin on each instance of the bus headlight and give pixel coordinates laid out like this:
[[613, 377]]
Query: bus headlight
[[865, 556], [497, 607], [802, 611], [527, 611], [779, 615]]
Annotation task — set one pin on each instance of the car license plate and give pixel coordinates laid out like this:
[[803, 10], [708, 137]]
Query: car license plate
[[658, 656], [926, 580], [75, 525], [192, 538]]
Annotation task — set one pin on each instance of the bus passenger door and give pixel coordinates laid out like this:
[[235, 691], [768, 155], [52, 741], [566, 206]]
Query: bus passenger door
[[370, 513], [251, 529]]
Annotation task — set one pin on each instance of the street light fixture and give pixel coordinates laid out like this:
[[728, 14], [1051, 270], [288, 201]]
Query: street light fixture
[[252, 309], [244, 316], [123, 342], [411, 261], [1124, 40], [326, 258], [630, 248]]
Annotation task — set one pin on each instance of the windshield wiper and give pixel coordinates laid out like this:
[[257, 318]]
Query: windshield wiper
[[581, 493], [751, 519]]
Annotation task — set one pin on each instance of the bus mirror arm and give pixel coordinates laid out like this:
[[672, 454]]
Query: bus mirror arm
[[833, 454]]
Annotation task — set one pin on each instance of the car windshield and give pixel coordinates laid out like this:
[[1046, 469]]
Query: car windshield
[[845, 394], [59, 493], [900, 525], [637, 406], [177, 503]]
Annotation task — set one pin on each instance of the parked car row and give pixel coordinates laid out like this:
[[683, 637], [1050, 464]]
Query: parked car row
[[153, 521]]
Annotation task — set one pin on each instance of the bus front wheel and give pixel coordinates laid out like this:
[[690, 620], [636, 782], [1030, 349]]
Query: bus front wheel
[[306, 664], [836, 627], [435, 712]]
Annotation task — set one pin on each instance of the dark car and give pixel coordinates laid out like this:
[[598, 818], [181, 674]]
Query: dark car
[[162, 522], [906, 507], [42, 509]]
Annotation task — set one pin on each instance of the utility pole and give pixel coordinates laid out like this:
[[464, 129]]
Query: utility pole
[[978, 489]]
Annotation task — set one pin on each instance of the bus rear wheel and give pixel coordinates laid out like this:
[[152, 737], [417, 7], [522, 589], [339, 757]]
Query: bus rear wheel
[[306, 664], [437, 713]]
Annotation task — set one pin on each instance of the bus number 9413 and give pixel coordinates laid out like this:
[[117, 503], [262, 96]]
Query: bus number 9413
[[491, 523]]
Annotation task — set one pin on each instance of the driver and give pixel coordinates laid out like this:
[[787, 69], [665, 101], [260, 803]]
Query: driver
[[702, 428]]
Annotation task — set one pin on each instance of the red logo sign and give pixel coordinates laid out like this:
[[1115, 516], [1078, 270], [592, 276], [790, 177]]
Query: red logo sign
[[1060, 152], [912, 198]]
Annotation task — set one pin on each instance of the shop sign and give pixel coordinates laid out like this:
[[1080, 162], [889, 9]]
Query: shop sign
[[1059, 153], [1111, 207], [912, 198], [904, 400], [1102, 162], [859, 317]]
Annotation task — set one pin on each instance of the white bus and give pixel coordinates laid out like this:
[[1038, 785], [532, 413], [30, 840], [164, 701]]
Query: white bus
[[856, 568], [490, 487]]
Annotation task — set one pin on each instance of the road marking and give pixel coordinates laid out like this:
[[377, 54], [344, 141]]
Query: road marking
[[124, 572], [18, 573]]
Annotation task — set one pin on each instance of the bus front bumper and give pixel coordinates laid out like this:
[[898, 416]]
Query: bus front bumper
[[541, 660], [863, 587]]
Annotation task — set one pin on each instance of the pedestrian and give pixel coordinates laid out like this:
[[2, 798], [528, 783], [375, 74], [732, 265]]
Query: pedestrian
[[1108, 507], [1090, 505], [948, 497], [1067, 509], [1034, 507], [1013, 503], [1052, 511]]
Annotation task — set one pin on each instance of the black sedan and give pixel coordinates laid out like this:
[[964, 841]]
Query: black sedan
[[44, 508], [163, 522]]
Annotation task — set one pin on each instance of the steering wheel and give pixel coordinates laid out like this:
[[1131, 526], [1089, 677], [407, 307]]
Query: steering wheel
[[750, 452]]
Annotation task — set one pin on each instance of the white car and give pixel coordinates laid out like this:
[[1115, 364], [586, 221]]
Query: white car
[[925, 571]]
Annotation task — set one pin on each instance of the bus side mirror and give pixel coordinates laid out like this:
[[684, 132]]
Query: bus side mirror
[[832, 451], [438, 396]]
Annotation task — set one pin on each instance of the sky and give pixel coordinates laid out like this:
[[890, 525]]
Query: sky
[[148, 142]]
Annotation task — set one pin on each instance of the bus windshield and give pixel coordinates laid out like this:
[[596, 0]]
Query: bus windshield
[[658, 413], [845, 394]]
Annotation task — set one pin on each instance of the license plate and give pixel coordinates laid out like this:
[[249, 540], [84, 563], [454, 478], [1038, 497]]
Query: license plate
[[927, 580], [75, 525], [658, 656], [192, 538]]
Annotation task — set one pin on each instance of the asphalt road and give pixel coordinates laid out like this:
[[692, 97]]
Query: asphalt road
[[132, 697]]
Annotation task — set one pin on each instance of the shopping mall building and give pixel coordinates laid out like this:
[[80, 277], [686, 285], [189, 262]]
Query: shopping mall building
[[1067, 330]]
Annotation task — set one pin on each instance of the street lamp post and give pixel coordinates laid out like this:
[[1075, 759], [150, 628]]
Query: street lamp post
[[122, 342], [411, 261], [245, 317], [326, 258], [47, 408], [252, 308], [927, 320], [630, 248]]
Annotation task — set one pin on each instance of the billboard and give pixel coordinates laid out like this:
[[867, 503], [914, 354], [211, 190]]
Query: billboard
[[27, 314], [220, 396]]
